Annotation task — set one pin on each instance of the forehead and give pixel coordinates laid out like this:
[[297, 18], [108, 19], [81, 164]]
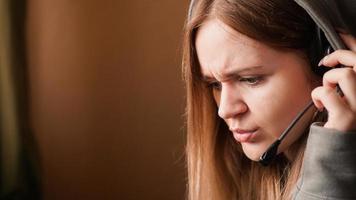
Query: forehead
[[218, 30], [221, 49]]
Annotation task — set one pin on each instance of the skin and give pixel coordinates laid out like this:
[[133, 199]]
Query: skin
[[265, 98], [342, 110]]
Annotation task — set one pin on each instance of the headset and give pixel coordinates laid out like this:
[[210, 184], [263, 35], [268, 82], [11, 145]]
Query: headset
[[319, 48]]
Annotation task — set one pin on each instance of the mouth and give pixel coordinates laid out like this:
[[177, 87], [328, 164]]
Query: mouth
[[244, 136]]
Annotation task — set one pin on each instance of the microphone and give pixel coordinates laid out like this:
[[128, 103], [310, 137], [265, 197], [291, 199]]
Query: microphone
[[268, 156], [324, 48]]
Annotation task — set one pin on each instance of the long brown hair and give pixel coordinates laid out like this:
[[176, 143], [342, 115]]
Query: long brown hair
[[217, 167]]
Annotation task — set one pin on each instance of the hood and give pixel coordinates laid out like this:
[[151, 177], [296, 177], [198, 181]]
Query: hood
[[332, 15], [329, 15]]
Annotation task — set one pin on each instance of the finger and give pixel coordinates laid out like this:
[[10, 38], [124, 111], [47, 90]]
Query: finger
[[349, 41], [343, 57], [330, 100], [318, 104], [346, 78]]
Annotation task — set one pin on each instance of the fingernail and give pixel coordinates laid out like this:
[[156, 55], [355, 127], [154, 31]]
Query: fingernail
[[320, 62]]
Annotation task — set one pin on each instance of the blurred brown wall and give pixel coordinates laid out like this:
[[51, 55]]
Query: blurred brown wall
[[107, 97]]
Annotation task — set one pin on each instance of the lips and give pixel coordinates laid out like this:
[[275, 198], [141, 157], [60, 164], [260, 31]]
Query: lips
[[243, 135]]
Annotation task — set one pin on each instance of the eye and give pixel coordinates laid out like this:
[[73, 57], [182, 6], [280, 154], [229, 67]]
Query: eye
[[255, 80], [215, 85]]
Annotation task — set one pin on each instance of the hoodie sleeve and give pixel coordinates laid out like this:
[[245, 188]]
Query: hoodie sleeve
[[329, 167]]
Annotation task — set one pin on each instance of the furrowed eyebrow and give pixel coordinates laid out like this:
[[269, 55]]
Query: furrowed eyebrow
[[231, 74]]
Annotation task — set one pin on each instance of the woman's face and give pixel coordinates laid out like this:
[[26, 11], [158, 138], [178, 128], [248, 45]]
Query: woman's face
[[258, 90]]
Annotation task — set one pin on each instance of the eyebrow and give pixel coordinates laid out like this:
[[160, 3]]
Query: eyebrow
[[231, 74]]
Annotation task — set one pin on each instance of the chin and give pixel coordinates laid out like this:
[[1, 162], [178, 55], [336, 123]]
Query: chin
[[253, 155]]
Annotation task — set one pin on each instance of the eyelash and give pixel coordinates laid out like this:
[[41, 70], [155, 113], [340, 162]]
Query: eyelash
[[250, 81]]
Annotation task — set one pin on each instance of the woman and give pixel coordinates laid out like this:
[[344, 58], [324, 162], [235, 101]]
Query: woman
[[250, 68]]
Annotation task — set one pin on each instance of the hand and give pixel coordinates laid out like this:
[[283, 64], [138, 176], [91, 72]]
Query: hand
[[341, 110]]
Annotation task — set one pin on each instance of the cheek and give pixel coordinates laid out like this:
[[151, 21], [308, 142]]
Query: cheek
[[277, 103]]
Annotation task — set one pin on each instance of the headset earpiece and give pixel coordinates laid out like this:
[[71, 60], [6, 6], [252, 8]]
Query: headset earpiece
[[319, 48]]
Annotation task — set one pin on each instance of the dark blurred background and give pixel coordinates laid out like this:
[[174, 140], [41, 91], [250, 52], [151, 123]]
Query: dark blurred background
[[106, 97]]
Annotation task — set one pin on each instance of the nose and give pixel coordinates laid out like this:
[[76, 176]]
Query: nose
[[231, 103]]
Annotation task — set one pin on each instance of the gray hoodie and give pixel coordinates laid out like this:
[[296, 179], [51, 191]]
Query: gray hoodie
[[329, 167], [330, 15]]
